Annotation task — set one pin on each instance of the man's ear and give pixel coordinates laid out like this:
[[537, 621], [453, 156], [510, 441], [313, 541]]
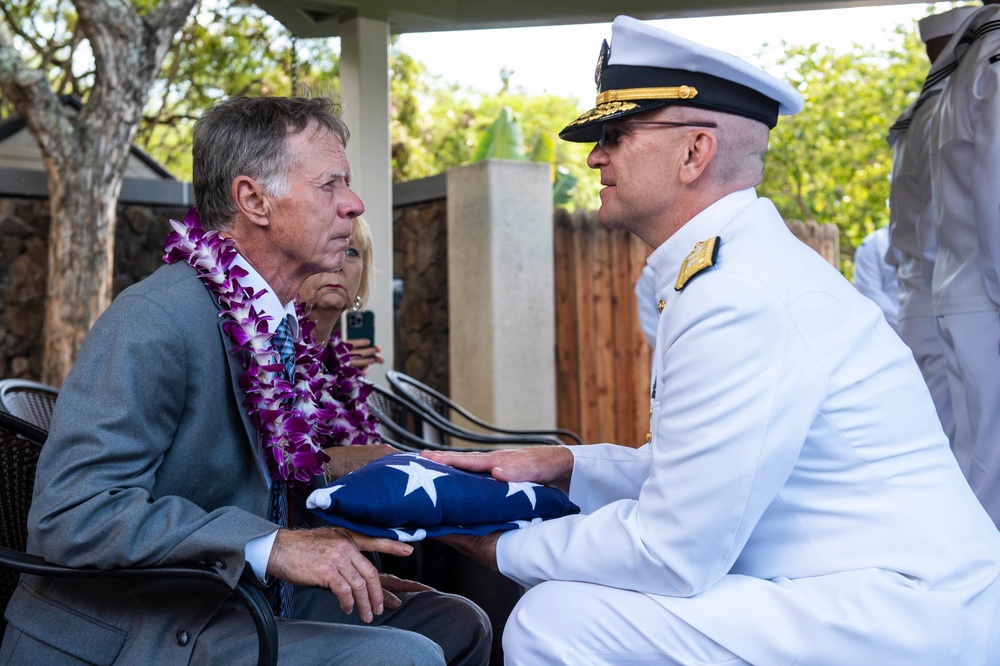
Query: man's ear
[[698, 153], [251, 200]]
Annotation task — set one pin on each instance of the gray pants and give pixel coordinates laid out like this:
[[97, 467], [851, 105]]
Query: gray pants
[[429, 628]]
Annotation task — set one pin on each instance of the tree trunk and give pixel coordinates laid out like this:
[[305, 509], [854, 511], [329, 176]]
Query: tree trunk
[[85, 156], [81, 251]]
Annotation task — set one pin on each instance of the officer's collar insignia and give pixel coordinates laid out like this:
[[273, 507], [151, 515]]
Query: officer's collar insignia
[[701, 257], [602, 62]]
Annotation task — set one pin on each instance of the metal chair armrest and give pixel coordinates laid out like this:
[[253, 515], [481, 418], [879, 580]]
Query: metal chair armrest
[[247, 591]]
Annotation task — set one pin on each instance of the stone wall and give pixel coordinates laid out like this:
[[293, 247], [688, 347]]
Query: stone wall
[[24, 229], [420, 259]]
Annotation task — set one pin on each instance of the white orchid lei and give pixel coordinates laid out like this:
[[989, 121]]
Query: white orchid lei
[[325, 403]]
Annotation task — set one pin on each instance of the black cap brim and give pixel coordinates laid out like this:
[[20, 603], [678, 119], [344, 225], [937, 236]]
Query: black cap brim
[[700, 90]]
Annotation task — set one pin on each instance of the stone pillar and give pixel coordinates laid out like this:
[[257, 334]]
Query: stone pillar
[[501, 300], [364, 87]]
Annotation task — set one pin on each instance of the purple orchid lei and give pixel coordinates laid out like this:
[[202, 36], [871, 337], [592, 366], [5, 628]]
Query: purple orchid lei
[[296, 419]]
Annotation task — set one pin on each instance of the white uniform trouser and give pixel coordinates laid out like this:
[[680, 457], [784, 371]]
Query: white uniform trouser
[[920, 333], [972, 348], [561, 622]]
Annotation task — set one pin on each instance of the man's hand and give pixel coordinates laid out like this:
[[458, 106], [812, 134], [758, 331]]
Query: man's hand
[[547, 465], [392, 584], [331, 557], [482, 549]]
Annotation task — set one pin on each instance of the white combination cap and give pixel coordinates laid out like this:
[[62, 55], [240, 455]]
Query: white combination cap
[[944, 24], [645, 68]]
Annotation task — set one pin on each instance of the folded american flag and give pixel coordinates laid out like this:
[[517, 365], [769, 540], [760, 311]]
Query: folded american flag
[[408, 498]]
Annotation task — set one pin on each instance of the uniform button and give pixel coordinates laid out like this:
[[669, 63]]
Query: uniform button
[[660, 306], [649, 436], [183, 637]]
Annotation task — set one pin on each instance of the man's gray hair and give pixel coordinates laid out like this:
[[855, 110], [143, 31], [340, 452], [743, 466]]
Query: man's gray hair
[[246, 136], [742, 144]]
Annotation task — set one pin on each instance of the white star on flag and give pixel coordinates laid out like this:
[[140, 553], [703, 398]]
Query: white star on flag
[[320, 499], [413, 535], [419, 477], [526, 487]]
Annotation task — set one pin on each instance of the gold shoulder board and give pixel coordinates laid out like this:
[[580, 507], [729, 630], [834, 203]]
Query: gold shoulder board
[[701, 257]]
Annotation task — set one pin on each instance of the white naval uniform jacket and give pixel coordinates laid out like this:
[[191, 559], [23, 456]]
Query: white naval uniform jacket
[[964, 159], [798, 502], [912, 238]]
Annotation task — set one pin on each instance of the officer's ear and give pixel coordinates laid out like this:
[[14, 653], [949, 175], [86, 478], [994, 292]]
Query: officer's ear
[[699, 149]]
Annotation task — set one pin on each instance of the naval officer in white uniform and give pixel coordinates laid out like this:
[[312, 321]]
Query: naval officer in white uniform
[[964, 163], [912, 238], [796, 501]]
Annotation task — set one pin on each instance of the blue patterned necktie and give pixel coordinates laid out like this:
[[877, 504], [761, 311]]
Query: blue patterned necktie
[[283, 344], [281, 592]]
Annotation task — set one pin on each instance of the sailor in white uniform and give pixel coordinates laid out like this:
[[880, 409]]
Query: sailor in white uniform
[[965, 162], [875, 277], [912, 238], [796, 501]]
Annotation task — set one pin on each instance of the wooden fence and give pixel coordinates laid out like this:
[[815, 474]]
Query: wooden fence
[[602, 358]]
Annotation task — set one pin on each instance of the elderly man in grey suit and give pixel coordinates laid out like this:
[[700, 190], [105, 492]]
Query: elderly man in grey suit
[[155, 456]]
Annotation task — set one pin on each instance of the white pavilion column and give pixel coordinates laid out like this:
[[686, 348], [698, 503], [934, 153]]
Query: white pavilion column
[[364, 88], [501, 293]]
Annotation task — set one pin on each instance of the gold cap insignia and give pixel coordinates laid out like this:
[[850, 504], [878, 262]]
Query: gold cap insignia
[[604, 110], [632, 94], [602, 62], [701, 257]]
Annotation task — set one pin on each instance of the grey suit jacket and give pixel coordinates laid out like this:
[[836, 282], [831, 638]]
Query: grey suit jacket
[[151, 460]]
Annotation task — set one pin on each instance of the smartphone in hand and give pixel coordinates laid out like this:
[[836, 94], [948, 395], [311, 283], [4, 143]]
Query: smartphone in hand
[[361, 325]]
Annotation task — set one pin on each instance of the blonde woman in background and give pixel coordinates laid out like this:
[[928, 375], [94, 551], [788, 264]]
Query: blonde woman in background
[[333, 294]]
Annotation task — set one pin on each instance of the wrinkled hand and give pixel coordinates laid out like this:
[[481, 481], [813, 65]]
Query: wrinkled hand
[[392, 584], [482, 549], [346, 459], [331, 557], [547, 465], [364, 353]]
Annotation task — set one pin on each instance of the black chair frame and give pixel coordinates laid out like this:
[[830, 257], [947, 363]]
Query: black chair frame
[[20, 444], [437, 408], [28, 400], [404, 424]]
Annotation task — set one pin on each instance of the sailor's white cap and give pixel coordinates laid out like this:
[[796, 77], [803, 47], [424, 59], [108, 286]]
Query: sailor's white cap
[[944, 24]]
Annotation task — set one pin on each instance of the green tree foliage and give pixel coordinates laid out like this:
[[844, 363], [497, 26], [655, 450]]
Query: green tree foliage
[[831, 163], [46, 34], [504, 139], [227, 48], [437, 127]]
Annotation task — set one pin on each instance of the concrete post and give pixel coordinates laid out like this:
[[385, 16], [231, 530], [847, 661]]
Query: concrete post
[[501, 298], [364, 87]]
